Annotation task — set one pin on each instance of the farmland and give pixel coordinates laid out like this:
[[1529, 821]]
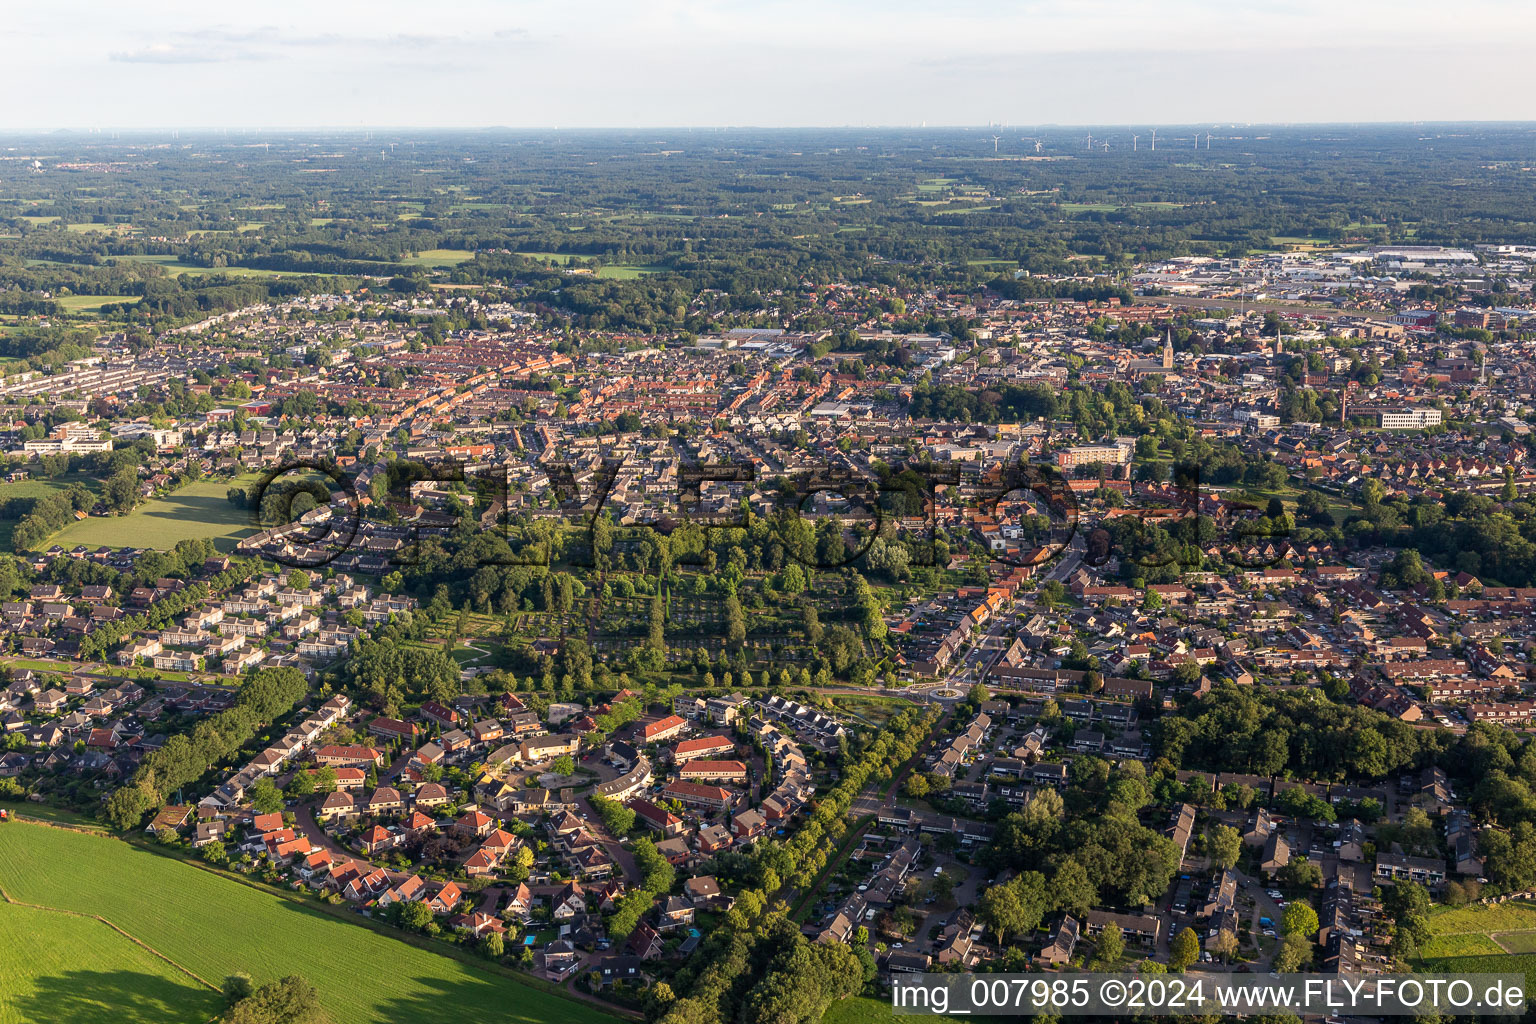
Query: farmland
[[118, 982], [1493, 939], [195, 511], [213, 926]]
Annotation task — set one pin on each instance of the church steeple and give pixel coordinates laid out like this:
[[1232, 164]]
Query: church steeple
[[1168, 350]]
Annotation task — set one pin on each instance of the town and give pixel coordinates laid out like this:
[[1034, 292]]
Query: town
[[518, 624]]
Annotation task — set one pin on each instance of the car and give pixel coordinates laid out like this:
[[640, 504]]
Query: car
[[938, 870], [896, 945], [863, 887]]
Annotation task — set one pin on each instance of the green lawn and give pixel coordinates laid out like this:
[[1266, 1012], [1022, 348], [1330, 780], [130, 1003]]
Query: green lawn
[[197, 510], [41, 486], [437, 258], [629, 273], [214, 926], [79, 970], [90, 303], [176, 268]]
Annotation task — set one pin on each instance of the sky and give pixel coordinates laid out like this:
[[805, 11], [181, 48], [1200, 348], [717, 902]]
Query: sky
[[156, 64]]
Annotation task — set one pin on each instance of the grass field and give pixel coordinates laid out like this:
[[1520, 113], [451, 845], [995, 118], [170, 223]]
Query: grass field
[[213, 926], [79, 970], [90, 303], [176, 268], [629, 272], [41, 487], [197, 510], [1495, 939], [438, 258]]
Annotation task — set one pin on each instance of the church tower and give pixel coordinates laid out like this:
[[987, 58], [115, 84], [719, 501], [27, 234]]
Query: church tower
[[1168, 350]]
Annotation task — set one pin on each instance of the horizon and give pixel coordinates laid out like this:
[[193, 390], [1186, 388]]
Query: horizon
[[779, 63]]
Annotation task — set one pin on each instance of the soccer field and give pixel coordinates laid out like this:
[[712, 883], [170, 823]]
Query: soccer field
[[212, 927]]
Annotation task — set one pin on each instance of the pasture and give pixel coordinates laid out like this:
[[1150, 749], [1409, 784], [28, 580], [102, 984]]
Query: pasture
[[213, 926], [196, 511]]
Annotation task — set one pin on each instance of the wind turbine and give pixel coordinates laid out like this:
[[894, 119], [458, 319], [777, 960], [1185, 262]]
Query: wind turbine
[[1207, 140], [1038, 145], [1154, 140], [1105, 145], [1134, 138], [995, 140]]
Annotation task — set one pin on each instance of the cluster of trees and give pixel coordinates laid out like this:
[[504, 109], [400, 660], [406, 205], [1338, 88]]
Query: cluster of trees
[[290, 1000], [107, 635], [50, 514], [1296, 733], [390, 673], [185, 758], [1098, 851]]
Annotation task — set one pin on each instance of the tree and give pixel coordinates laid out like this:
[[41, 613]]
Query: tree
[[492, 947], [289, 1001], [236, 987], [1183, 950], [1014, 908], [1111, 947], [265, 796], [563, 765], [1300, 873], [1299, 919], [409, 915], [1407, 903], [298, 579], [1295, 951], [1223, 945], [1223, 845], [214, 852]]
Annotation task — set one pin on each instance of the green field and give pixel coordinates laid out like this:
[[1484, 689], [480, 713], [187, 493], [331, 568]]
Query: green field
[[438, 258], [90, 303], [176, 268], [78, 969], [1494, 939], [213, 926], [196, 511], [628, 272], [41, 487]]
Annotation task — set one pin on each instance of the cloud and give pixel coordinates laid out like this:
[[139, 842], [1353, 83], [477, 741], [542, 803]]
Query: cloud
[[184, 53]]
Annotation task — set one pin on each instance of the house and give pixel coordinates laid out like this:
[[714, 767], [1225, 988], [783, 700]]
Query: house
[[351, 755], [693, 794], [561, 957], [664, 729], [675, 912], [645, 942], [568, 902], [1062, 943], [172, 818], [658, 818], [1142, 929], [702, 746], [446, 898], [621, 967]]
